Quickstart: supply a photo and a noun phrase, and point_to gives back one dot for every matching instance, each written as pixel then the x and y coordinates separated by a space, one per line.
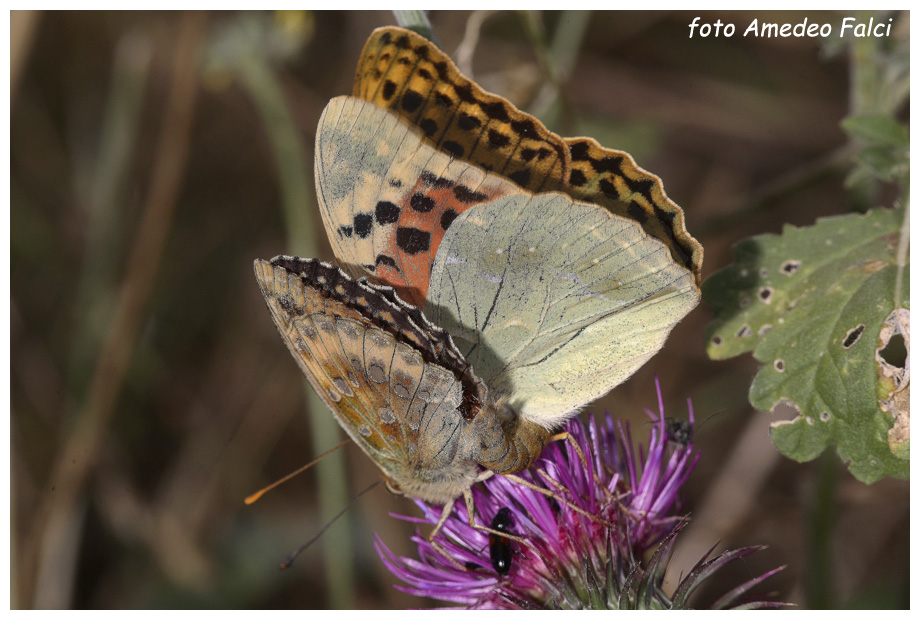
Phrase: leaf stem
pixel 416 21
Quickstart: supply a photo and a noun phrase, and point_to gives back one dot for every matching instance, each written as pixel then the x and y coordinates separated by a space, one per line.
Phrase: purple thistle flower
pixel 570 560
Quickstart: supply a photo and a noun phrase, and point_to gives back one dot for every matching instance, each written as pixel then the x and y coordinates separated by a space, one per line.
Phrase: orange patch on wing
pixel 427 211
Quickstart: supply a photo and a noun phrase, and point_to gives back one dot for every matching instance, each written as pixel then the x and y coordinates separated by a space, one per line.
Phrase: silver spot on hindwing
pixel 376 372
pixel 342 386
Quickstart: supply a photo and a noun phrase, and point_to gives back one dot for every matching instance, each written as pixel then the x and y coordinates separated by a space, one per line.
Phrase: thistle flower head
pixel 570 560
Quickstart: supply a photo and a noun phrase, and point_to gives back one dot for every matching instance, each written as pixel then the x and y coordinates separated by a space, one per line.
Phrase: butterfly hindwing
pixel 403 71
pixel 389 377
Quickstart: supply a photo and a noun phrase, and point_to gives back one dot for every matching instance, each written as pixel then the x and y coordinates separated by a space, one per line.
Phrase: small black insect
pixel 678 431
pixel 500 547
pixel 681 431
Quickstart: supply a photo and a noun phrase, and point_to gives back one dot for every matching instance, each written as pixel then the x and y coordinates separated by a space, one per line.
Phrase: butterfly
pixel 552 301
pixel 490 313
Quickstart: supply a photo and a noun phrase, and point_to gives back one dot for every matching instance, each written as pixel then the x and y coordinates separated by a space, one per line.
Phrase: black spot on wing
pixel 432 180
pixel 577 178
pixel 521 177
pixel 443 100
pixel 498 139
pixel 421 203
pixel 467 122
pixel 429 126
pixel 412 240
pixel 364 223
pixel 386 212
pixel 389 89
pixel 411 101
pixel 383 259
pixel 467 196
pixel 496 110
pixel 447 218
pixel 525 128
pixel 454 149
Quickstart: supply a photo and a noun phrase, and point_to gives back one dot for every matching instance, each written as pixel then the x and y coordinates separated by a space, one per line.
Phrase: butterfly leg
pixel 485 475
pixel 556 496
pixel 581 455
pixel 471 512
pixel 562 437
pixel 445 512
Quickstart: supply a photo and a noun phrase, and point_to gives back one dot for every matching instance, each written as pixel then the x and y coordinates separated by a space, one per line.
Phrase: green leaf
pixel 812 304
pixel 877 130
pixel 885 152
pixel 884 163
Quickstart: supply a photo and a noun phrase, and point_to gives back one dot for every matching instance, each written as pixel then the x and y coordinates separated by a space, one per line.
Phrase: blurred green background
pixel 151 157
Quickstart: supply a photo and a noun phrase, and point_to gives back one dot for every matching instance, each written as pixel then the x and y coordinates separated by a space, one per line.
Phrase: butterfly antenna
pixel 255 496
pixel 290 559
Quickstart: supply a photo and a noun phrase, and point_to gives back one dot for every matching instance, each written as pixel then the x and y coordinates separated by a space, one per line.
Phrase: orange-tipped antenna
pixel 252 498
pixel 290 559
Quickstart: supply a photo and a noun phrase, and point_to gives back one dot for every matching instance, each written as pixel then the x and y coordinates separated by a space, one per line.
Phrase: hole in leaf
pixel 790 267
pixel 825 416
pixel 744 332
pixel 765 294
pixel 853 336
pixel 895 353
pixel 785 411
pixel 764 329
pixel 717 341
pixel 779 366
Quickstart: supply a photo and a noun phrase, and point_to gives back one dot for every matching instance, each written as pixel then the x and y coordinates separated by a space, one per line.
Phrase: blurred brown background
pixel 151 393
